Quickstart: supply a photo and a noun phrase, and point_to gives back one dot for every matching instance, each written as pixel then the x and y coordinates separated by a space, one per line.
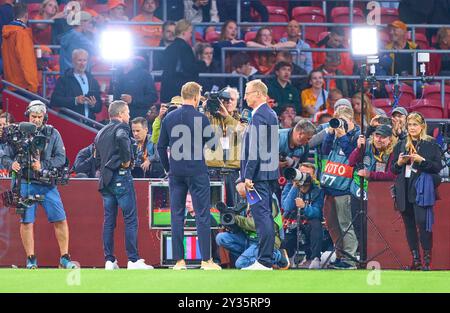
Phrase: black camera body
pixel 213 100
pixel 228 214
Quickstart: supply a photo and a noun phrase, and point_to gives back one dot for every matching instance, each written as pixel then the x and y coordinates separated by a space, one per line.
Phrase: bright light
pixel 364 41
pixel 116 45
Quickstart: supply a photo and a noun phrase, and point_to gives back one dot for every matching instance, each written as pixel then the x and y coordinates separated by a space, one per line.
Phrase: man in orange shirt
pixel 19 60
pixel 148 35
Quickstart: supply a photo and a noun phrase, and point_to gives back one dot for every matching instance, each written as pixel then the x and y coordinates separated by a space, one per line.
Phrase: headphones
pixel 36 103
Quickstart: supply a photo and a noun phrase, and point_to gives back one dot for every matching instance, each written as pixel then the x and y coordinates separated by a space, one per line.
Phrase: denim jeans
pixel 120 193
pixel 243 248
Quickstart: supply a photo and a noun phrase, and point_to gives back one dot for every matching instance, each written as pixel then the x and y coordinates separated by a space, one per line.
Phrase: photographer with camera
pixel 49 154
pixel 164 109
pixel 340 141
pixel 302 201
pixel 223 116
pixel 241 238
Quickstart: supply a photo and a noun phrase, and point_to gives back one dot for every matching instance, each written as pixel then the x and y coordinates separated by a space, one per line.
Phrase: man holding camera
pixel 51 157
pixel 302 201
pixel 113 149
pixel 340 141
pixel 226 122
pixel 242 240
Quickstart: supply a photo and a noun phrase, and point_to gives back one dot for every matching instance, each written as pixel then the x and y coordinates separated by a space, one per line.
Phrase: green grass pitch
pixel 234 281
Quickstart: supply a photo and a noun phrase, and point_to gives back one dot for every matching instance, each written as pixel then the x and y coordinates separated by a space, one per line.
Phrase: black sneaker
pixel 342 265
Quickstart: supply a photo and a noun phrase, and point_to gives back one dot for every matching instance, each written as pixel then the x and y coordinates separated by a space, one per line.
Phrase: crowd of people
pixel 383 146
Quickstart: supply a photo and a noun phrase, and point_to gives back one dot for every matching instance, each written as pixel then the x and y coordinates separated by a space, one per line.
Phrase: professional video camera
pixel 213 100
pixel 294 174
pixel 339 123
pixel 228 214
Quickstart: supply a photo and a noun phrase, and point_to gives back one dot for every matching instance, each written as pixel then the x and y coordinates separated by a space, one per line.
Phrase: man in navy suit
pixel 259 168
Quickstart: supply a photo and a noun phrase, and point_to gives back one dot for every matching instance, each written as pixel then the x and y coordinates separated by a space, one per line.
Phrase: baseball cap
pixel 384 130
pixel 399 24
pixel 342 102
pixel 115 3
pixel 400 110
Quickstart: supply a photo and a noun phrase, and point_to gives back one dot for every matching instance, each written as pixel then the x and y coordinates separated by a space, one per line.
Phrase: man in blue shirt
pixel 186 131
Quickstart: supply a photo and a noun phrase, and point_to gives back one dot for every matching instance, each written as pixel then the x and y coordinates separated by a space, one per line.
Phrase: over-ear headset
pixel 35 103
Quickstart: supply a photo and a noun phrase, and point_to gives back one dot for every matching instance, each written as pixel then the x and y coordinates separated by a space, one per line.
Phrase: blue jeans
pixel 243 248
pixel 120 193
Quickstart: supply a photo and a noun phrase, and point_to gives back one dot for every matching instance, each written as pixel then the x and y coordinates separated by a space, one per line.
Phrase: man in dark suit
pixel 259 168
pixel 186 131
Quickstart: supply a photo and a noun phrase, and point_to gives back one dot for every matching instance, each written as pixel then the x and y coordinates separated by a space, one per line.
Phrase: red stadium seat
pixel 276 3
pixel 249 36
pixel 199 37
pixel 433 92
pixel 406 94
pixel 310 15
pixel 388 15
pixel 421 40
pixel 384 104
pixel 341 15
pixel 212 36
pixel 278 14
pixel 33 9
pixel 429 108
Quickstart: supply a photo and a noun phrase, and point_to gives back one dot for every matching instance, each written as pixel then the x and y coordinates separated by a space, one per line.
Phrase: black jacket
pixel 113 147
pixel 179 67
pixel 139 84
pixel 227 10
pixel 175 10
pixel 85 162
pixel 405 188
pixel 208 82
pixel 67 89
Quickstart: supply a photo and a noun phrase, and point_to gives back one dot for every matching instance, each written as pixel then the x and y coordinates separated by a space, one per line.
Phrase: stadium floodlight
pixel 116 45
pixel 364 41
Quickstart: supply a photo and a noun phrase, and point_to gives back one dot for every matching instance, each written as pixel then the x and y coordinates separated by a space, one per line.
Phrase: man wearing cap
pixel 398 63
pixel 53 156
pixel 136 87
pixel 375 157
pixel 76 38
pixel 164 109
pixel 399 115
pixel 116 11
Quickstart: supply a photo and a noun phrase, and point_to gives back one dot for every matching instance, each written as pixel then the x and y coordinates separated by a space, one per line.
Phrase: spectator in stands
pixel 42 33
pixel 147 164
pixel 440 62
pixel 335 39
pixel 168 37
pixel 179 63
pixel 304 59
pixel 240 63
pixel 399 115
pixel 175 10
pixel 85 165
pixel 314 99
pixel 227 10
pixel 287 116
pixel 265 61
pixel 369 110
pixel 201 11
pixel 84 7
pixel 398 63
pixel 324 118
pixel 19 60
pixel 281 90
pixel 76 38
pixel 204 53
pixel 417 163
pixel 299 83
pixel 116 11
pixel 338 145
pixel 227 39
pixel 149 35
pixel 331 68
pixel 333 96
pixel 77 89
pixel 306 200
pixel 136 87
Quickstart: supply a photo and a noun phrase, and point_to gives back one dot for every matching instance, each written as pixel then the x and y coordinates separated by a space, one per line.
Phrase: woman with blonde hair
pixel 42 32
pixel 369 110
pixel 418 161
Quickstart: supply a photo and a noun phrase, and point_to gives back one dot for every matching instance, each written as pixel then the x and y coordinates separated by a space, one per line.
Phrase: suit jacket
pixel 260 152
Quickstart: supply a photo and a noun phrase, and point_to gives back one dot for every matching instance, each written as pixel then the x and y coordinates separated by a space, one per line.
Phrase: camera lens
pixel 335 123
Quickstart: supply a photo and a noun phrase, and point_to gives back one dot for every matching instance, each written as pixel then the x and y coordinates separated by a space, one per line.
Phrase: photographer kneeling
pixel 241 239
pixel 38 178
pixel 224 118
pixel 302 200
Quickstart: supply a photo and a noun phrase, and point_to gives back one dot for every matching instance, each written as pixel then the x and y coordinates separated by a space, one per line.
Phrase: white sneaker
pixel 111 265
pixel 180 265
pixel 256 267
pixel 315 264
pixel 139 265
